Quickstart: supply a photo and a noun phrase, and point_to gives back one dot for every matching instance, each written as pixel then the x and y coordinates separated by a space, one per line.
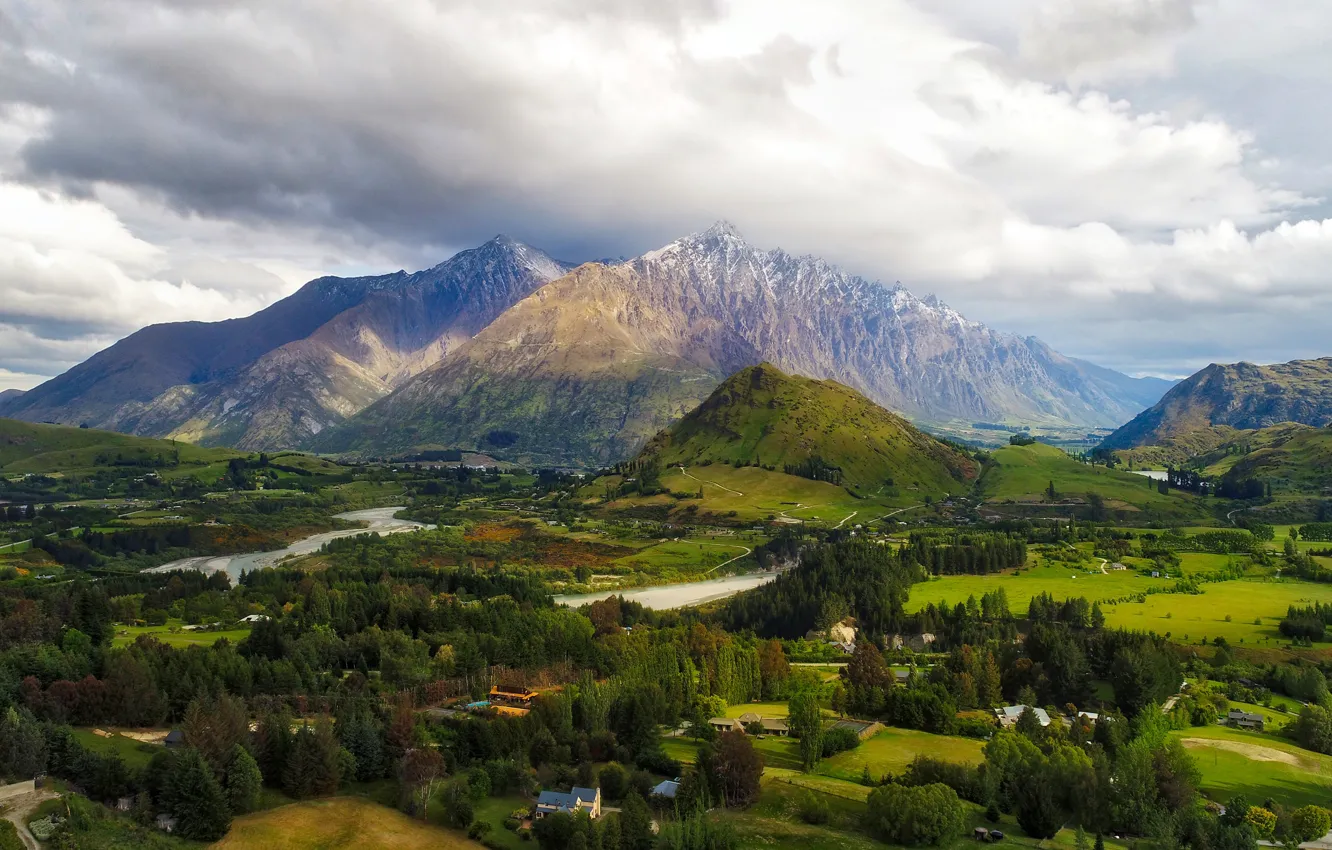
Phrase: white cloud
pixel 1051 167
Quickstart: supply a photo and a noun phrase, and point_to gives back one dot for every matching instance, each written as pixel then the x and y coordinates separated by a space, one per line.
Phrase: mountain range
pixel 506 349
pixel 1205 410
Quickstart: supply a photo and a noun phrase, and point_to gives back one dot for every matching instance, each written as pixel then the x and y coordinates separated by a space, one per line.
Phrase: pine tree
pixel 312 768
pixel 243 781
pixel 196 799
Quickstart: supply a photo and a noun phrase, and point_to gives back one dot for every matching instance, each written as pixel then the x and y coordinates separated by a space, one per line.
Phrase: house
pixel 750 717
pixel 578 800
pixel 775 726
pixel 901 677
pixel 174 738
pixel 166 823
pixel 666 788
pixel 726 724
pixel 1244 720
pixel 512 695
pixel 1118 566
pixel 255 618
pixel 1009 714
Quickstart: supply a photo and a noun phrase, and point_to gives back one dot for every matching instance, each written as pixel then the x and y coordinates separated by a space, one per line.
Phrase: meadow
pixel 171 635
pixel 760 495
pixel 135 754
pixel 1258 766
pixel 1254 609
pixel 348 823
pixel 1062 582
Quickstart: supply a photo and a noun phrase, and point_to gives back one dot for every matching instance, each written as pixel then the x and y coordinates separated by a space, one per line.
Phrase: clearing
pixel 348 823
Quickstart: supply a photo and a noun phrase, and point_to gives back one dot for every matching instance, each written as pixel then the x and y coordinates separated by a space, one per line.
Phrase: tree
pixel 738 768
pixel 1038 814
pixel 806 721
pixel 215 726
pixel 613 781
pixel 242 781
pixel 1309 823
pixel 635 824
pixel 196 799
pixel 418 772
pixel 1262 821
pixel 273 743
pixel 457 800
pixel 773 668
pixel 927 814
pixel 359 733
pixel 312 768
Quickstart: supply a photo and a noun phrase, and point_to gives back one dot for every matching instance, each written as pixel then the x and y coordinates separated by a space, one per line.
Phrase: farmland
pixel 348 823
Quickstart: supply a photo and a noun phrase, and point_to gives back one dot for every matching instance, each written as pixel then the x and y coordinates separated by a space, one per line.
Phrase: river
pixel 667 596
pixel 377 520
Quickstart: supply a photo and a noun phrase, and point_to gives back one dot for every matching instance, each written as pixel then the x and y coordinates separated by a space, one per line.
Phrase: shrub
pixel 839 740
pixel 813 809
pixel 477 830
pixel 930 814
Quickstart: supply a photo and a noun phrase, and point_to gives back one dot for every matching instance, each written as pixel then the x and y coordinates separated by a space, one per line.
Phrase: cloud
pixel 1055 168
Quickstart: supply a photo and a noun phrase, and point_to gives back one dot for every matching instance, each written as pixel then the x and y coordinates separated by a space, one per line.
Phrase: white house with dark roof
pixel 1009 714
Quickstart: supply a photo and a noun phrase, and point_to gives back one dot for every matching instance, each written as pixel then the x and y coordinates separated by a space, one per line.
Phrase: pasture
pixel 1060 581
pixel 172 635
pixel 1188 618
pixel 757 494
pixel 348 823
pixel 893 749
pixel 135 754
pixel 1258 766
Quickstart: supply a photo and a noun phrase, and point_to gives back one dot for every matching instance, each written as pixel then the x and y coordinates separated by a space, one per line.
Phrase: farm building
pixel 1009 714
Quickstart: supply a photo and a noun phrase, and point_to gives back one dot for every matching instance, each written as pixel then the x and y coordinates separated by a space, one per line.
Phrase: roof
pixel 775 723
pixel 1236 714
pixel 175 736
pixel 750 717
pixel 667 788
pixel 1013 712
pixel 572 800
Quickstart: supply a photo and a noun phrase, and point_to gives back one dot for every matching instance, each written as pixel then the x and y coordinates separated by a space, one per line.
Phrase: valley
pixel 786 562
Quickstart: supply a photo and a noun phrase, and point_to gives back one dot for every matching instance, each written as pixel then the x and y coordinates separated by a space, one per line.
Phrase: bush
pixel 478 830
pixel 930 814
pixel 962 778
pixel 839 740
pixel 972 727
pixel 813 809
pixel 512 824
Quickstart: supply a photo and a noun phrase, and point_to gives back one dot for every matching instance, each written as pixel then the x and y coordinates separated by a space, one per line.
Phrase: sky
pixel 1141 183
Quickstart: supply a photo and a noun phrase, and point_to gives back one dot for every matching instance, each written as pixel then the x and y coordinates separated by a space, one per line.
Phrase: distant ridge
pixel 1201 412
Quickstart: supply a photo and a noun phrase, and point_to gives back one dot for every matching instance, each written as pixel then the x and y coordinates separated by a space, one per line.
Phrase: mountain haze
pixel 309 361
pixel 589 367
pixel 1202 411
pixel 762 416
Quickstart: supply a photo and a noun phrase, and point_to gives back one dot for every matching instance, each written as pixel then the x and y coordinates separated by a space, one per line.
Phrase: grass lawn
pixel 347 823
pixel 777 752
pixel 135 754
pixel 762 709
pixel 1060 581
pixel 493 810
pixel 892 750
pixel 687 557
pixel 1258 766
pixel 126 635
pixel 1189 618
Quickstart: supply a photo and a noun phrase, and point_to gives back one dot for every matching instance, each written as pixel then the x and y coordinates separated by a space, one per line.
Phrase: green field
pixel 892 750
pixel 756 494
pixel 1188 618
pixel 1060 581
pixel 1258 766
pixel 1021 474
pixel 135 754
pixel 126 635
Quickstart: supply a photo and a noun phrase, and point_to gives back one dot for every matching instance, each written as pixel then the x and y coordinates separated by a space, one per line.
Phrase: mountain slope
pixel 275 378
pixel 1201 410
pixel 588 368
pixel 762 416
pixel 32 447
pixel 9 396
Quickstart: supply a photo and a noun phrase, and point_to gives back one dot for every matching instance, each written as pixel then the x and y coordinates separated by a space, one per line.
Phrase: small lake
pixel 377 520
pixel 667 596
pixel 1154 474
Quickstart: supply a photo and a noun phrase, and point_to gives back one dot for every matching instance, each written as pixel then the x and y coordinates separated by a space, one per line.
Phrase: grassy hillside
pixel 28 447
pixel 1023 474
pixel 345 822
pixel 761 416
